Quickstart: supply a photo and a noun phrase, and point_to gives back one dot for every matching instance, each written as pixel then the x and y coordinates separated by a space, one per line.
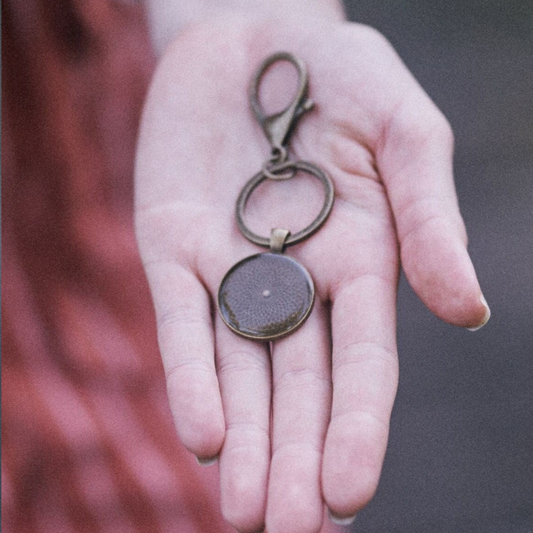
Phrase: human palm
pixel 305 420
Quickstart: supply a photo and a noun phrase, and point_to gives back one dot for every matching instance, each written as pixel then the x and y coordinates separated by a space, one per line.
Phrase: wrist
pixel 166 19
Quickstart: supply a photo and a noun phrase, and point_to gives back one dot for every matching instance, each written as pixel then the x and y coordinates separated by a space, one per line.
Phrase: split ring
pixel 294 238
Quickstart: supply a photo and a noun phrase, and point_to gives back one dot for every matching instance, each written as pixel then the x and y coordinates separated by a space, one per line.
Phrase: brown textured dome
pixel 266 296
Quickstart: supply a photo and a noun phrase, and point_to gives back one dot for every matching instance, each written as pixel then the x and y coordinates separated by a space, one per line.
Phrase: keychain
pixel 269 295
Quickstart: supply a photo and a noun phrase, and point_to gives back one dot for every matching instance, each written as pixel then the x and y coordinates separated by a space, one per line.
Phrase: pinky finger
pixel 186 342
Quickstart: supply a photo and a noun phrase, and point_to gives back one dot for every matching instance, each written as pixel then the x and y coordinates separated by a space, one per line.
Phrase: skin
pixel 306 425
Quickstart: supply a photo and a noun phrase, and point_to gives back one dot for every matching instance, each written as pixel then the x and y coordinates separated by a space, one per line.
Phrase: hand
pixel 330 386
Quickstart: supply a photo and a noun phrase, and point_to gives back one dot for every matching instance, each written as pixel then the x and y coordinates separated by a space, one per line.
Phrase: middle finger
pixel 301 410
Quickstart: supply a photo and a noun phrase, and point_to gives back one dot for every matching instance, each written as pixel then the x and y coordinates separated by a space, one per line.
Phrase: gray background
pixel 460 458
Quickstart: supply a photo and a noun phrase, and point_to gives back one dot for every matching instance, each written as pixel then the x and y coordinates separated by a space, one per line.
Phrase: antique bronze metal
pixel 267 296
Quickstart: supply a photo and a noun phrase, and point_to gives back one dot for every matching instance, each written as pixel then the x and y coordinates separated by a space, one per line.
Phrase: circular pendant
pixel 266 296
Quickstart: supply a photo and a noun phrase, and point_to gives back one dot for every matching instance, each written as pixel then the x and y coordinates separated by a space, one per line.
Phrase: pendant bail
pixel 277 240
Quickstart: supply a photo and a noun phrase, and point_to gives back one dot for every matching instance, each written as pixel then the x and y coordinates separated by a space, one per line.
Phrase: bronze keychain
pixel 269 295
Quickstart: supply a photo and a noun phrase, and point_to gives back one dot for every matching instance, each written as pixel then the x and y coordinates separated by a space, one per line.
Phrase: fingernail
pixel 485 318
pixel 341 520
pixel 207 461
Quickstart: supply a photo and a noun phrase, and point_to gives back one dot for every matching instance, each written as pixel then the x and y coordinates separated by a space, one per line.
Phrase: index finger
pixel 365 377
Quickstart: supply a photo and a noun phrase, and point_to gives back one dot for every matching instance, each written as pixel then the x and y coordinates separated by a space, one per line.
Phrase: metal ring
pixel 294 238
pixel 275 171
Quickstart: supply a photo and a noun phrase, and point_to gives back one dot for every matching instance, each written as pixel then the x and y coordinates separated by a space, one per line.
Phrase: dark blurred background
pixel 460 458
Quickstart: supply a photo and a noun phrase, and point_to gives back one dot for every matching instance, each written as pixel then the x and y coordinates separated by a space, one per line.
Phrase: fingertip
pixel 486 315
pixel 244 524
pixel 203 440
pixel 207 461
pixel 346 495
pixel 298 516
pixel 244 479
pixel 294 498
pixel 352 463
pixel 465 309
pixel 461 307
pixel 209 437
pixel 339 520
pixel 200 424
pixel 438 267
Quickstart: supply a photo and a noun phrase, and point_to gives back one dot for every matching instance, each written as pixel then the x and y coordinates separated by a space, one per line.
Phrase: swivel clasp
pixel 278 126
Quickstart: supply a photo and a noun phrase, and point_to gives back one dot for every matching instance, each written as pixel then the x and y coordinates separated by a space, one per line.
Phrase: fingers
pixel 186 342
pixel 301 407
pixel 244 374
pixel 415 163
pixel 365 375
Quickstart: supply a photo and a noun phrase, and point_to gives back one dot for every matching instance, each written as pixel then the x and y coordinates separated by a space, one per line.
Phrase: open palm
pixel 305 420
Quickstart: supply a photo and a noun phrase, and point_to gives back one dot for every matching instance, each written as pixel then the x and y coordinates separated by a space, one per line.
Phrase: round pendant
pixel 266 296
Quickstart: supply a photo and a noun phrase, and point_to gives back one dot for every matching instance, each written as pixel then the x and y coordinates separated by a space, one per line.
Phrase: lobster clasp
pixel 278 126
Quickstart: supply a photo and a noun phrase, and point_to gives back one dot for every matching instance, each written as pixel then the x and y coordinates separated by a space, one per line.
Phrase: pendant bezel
pixel 279 332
